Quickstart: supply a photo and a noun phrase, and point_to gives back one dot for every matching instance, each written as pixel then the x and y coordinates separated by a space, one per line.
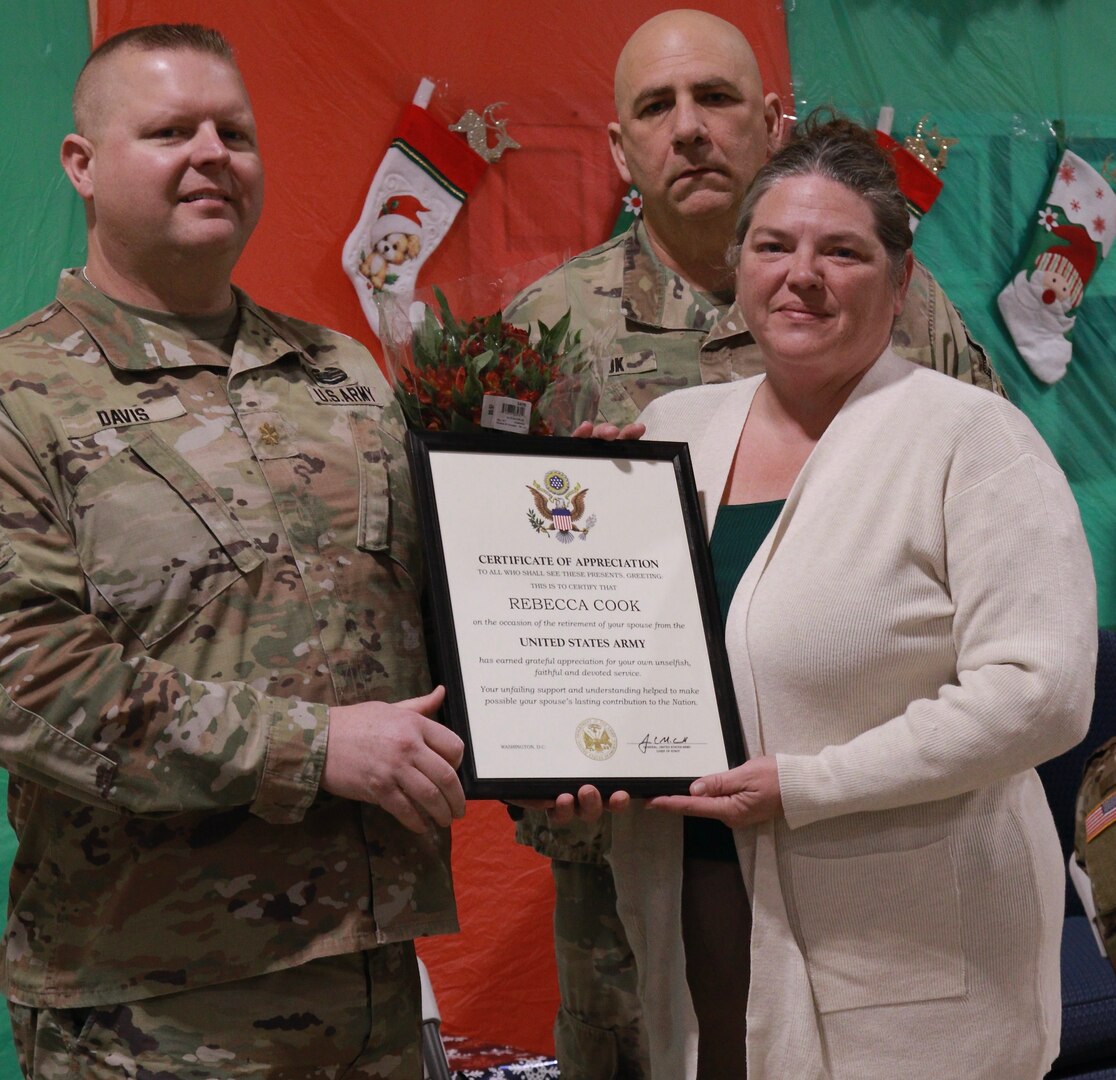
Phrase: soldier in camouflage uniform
pixel 663 333
pixel 693 128
pixel 1095 838
pixel 228 836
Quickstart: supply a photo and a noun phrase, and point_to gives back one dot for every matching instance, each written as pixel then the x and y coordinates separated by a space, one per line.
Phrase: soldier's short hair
pixel 158 36
pixel 828 145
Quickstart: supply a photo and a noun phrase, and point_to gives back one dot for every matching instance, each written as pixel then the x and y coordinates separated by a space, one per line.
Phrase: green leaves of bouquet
pixel 455 363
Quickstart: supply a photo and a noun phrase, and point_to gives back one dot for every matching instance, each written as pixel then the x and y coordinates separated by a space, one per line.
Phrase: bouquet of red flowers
pixel 487 374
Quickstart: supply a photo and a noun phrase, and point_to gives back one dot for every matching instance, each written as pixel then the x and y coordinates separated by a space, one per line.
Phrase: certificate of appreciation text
pixel 578 635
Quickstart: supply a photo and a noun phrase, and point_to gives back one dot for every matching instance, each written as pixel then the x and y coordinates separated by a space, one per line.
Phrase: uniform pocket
pixel 586 1052
pixel 388 522
pixel 375 488
pixel 155 540
pixel 880 929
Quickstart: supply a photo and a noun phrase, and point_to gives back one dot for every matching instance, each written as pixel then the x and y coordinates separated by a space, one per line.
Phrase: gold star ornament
pixel 476 126
pixel 919 144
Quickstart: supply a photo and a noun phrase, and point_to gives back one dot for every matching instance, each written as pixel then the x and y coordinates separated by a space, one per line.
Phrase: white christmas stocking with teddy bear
pixel 415 195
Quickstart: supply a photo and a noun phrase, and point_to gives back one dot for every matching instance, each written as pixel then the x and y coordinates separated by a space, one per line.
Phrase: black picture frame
pixel 441 514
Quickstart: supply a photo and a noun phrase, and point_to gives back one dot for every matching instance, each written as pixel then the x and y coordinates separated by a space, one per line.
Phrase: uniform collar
pixel 131 343
pixel 657 297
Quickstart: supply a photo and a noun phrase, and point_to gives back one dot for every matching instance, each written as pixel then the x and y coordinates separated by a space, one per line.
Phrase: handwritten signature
pixel 657 742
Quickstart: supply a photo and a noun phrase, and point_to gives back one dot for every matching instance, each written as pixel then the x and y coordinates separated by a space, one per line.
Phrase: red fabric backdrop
pixel 328 81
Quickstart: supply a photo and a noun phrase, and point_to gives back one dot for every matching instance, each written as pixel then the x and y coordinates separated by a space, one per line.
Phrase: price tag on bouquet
pixel 474 373
pixel 505 414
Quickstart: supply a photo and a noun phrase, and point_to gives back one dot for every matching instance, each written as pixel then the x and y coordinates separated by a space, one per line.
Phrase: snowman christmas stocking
pixel 1076 223
pixel 415 195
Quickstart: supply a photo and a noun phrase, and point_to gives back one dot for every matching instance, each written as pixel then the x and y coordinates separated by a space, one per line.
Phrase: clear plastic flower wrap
pixel 467 372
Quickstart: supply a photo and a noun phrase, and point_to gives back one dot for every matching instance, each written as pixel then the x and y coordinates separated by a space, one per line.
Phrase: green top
pixel 738 532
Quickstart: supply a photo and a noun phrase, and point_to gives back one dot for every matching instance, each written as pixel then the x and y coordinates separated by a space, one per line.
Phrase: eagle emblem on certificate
pixel 596 739
pixel 559 508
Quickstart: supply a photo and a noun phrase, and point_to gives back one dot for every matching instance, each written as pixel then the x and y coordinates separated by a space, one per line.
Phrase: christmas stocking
pixel 415 195
pixel 1071 238
pixel 918 160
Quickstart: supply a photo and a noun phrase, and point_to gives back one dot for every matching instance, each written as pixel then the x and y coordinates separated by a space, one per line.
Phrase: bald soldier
pixel 230 796
pixel 693 126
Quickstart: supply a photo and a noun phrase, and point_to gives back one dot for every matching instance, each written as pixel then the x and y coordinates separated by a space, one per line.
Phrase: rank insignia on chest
pixel 1100 817
pixel 269 436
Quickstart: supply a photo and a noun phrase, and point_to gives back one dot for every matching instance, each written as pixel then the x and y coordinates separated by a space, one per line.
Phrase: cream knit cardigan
pixel 916 633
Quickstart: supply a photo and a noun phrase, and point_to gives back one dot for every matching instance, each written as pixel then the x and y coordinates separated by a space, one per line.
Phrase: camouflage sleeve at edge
pixel 930 331
pixel 134 734
pixel 952 335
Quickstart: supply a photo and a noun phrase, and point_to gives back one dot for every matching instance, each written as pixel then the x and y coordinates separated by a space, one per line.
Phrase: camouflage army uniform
pixel 663 334
pixel 198 556
pixel 350 1016
pixel 1095 838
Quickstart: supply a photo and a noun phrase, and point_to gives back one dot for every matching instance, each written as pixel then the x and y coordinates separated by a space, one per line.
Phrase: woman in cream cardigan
pixel 916 631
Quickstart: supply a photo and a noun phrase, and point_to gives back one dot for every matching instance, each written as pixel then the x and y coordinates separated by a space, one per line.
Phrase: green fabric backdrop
pixel 43 44
pixel 995 74
pixel 42 47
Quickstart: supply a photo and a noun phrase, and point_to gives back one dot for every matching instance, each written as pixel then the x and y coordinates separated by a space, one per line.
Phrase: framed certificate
pixel 574 617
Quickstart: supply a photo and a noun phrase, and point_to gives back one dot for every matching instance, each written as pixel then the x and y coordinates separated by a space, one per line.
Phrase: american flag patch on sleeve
pixel 1100 817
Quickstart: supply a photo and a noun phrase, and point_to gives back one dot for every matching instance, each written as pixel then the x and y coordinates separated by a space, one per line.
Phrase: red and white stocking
pixel 1070 239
